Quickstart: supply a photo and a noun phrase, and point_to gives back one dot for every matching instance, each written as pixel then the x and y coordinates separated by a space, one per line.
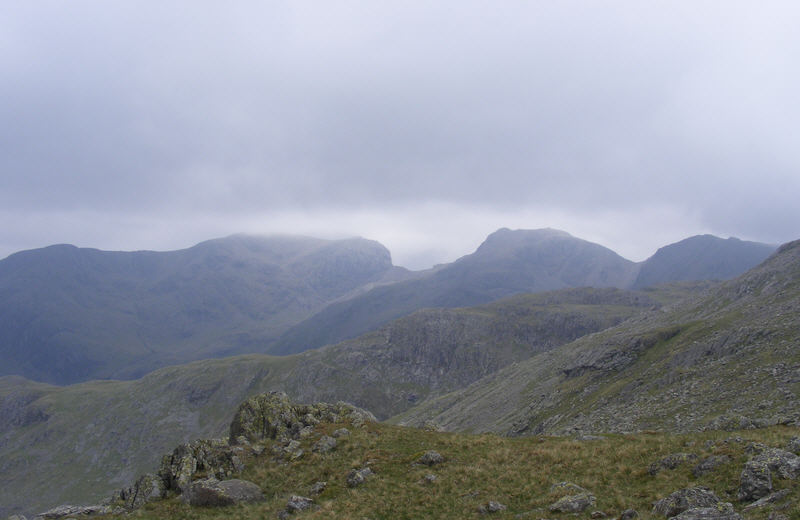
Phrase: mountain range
pixel 69 314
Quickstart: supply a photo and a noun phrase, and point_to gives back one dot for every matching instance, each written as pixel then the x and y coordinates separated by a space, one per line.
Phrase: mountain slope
pixel 70 314
pixel 701 257
pixel 727 358
pixel 75 443
pixel 508 262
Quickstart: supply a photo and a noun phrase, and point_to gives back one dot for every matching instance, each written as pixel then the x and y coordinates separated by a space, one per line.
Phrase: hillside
pixel 701 257
pixel 728 358
pixel 70 314
pixel 508 262
pixel 73 444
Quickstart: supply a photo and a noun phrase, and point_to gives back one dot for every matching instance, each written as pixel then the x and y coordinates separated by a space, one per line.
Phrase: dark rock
pixel 318 488
pixel 671 461
pixel 755 481
pixel 769 499
pixel 298 503
pixel 216 493
pixel 492 507
pixel 629 514
pixel 324 444
pixel 720 511
pixel 597 515
pixel 685 499
pixel 573 503
pixel 709 464
pixel 430 458
pixel 358 477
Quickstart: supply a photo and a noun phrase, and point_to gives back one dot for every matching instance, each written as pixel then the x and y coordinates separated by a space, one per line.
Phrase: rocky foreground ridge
pixel 270 431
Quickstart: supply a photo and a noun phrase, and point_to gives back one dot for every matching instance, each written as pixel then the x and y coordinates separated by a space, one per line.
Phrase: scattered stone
pixel 358 477
pixel 671 461
pixel 318 488
pixel 629 514
pixel 794 445
pixel 709 464
pixel 324 444
pixel 430 478
pixel 67 511
pixel 769 499
pixel 306 431
pixel 430 458
pixel 755 481
pixel 341 432
pixel 492 507
pixel 597 514
pixel 218 493
pixel 720 511
pixel 298 503
pixel 685 499
pixel 567 488
pixel 573 503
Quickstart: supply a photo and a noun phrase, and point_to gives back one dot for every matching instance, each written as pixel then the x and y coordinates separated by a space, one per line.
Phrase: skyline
pixel 424 127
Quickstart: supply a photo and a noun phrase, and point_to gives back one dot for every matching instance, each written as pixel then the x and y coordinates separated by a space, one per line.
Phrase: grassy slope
pixel 99 435
pixel 732 352
pixel 517 472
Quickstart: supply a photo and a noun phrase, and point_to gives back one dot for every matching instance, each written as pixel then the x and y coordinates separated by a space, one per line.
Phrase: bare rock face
pixel 147 488
pixel 273 416
pixel 684 500
pixel 212 457
pixel 215 493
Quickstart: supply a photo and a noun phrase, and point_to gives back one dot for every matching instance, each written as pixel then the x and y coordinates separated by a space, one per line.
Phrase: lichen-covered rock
pixel 341 432
pixel 318 488
pixel 784 463
pixel 212 458
pixel 755 481
pixel 671 461
pixel 709 464
pixel 70 511
pixel 324 444
pixel 769 499
pixel 357 477
pixel 147 488
pixel 274 416
pixel 219 493
pixel 430 458
pixel 629 514
pixel 685 499
pixel 720 511
pixel 573 503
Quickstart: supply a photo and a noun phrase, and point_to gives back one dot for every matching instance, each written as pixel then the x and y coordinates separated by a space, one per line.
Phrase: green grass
pixel 517 472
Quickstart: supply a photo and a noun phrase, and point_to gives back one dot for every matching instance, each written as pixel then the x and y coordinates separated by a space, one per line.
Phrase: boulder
pixel 324 444
pixel 430 458
pixel 794 445
pixel 147 488
pixel 357 477
pixel 720 511
pixel 685 499
pixel 214 458
pixel 217 493
pixel 671 461
pixel 573 503
pixel 318 488
pixel 629 514
pixel 784 463
pixel 755 481
pixel 273 416
pixel 769 499
pixel 297 503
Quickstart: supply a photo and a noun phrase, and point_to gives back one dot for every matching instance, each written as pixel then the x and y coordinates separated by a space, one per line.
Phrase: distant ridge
pixel 701 257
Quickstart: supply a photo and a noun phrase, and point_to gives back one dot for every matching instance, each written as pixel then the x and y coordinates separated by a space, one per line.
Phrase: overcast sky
pixel 424 125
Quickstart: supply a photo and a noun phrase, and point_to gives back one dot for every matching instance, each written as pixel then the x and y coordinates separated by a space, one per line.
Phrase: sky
pixel 424 125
